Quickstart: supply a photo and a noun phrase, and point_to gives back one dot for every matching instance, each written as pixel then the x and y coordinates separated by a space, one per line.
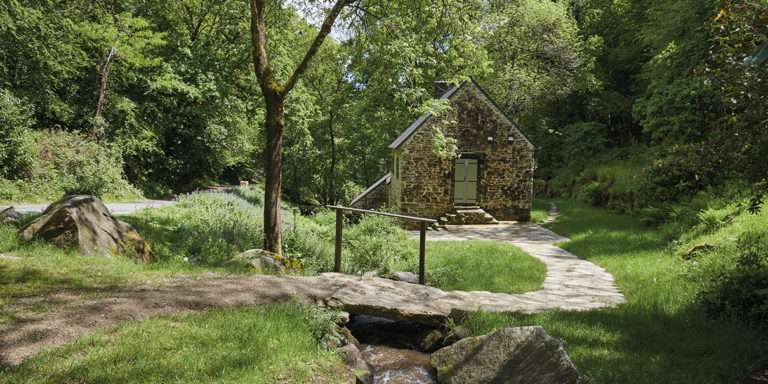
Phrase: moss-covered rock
pixel 84 222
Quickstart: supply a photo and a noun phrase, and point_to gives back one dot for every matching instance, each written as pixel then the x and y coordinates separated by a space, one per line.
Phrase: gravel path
pixel 570 284
pixel 115 208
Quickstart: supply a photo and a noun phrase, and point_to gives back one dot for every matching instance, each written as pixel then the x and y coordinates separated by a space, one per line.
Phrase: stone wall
pixel 505 178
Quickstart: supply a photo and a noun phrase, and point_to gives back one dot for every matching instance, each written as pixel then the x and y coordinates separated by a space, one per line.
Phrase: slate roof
pixel 447 95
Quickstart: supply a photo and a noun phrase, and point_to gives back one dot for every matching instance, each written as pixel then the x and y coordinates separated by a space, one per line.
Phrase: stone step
pixel 468 215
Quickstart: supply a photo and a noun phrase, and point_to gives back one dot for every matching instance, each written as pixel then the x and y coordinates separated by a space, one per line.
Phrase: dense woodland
pixel 656 110
pixel 629 102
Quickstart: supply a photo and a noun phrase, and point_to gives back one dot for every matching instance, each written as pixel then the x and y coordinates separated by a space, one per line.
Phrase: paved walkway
pixel 571 284
pixel 115 208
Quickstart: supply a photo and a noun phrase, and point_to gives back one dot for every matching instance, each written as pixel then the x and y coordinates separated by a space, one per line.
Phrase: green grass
pixel 540 211
pixel 267 344
pixel 660 335
pixel 482 266
pixel 37 268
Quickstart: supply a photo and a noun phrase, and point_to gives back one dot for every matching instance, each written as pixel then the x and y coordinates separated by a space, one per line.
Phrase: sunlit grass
pixel 483 266
pixel 660 335
pixel 267 344
pixel 36 268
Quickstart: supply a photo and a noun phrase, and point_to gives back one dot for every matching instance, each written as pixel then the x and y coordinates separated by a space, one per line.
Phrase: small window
pixel 397 167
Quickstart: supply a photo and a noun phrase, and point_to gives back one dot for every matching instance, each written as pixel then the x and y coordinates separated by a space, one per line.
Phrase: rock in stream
pixel 392 350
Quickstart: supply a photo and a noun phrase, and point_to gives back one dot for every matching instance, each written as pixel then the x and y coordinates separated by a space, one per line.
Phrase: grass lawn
pixel 482 266
pixel 266 344
pixel 540 210
pixel 37 268
pixel 660 335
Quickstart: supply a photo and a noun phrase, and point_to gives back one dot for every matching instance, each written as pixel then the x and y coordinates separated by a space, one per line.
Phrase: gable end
pixel 425 117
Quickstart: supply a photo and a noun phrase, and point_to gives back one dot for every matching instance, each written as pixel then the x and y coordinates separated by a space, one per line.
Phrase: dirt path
pixel 571 284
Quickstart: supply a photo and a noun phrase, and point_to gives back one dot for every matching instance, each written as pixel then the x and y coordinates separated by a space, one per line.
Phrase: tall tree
pixel 274 93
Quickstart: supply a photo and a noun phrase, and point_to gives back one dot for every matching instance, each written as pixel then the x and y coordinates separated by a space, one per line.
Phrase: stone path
pixel 115 208
pixel 571 284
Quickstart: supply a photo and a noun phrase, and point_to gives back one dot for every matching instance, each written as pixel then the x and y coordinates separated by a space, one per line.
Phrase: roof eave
pixel 421 120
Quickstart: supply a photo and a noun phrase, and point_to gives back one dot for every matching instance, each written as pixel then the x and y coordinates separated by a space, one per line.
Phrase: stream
pixel 393 350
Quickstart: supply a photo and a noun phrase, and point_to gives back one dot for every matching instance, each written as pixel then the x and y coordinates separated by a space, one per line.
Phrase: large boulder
pixel 10 216
pixel 84 222
pixel 522 355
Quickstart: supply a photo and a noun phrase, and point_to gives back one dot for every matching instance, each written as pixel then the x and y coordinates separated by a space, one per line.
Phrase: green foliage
pixel 731 271
pixel 376 243
pixel 310 240
pixel 262 345
pixel 323 327
pixel 615 179
pixel 202 228
pixel 68 163
pixel 15 139
pixel 740 291
pixel 661 334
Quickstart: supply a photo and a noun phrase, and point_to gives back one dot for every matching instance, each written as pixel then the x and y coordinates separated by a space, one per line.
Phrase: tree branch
pixel 325 29
pixel 259 39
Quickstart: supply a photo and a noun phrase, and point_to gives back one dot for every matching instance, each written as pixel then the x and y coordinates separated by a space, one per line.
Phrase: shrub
pixel 712 219
pixel 740 291
pixel 68 163
pixel 251 194
pixel 322 323
pixel 211 227
pixel 310 240
pixel 592 193
pixel 376 243
pixel 206 228
pixel 16 144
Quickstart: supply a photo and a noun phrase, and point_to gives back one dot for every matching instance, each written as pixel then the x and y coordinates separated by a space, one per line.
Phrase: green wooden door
pixel 465 181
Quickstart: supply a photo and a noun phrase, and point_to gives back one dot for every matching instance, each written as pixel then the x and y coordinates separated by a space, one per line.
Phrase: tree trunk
pixel 104 75
pixel 273 165
pixel 332 194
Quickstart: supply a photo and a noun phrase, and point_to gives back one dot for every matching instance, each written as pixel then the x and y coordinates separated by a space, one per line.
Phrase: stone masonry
pixel 422 183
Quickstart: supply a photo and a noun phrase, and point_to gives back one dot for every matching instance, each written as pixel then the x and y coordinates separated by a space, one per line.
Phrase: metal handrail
pixel 412 218
pixel 422 234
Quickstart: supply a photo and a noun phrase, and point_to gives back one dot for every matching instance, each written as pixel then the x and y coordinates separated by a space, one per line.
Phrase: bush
pixel 212 227
pixel 613 180
pixel 740 291
pixel 310 240
pixel 68 163
pixel 205 228
pixel 376 243
pixel 16 144
pixel 251 194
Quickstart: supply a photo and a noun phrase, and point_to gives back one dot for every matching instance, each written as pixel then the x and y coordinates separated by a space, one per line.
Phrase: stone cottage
pixel 469 165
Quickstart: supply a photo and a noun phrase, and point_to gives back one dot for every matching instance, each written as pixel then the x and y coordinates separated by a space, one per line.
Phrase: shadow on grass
pixel 41 281
pixel 661 335
pixel 265 344
pixel 637 344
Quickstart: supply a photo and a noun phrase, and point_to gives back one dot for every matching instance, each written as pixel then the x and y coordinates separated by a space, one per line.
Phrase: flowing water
pixel 392 350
